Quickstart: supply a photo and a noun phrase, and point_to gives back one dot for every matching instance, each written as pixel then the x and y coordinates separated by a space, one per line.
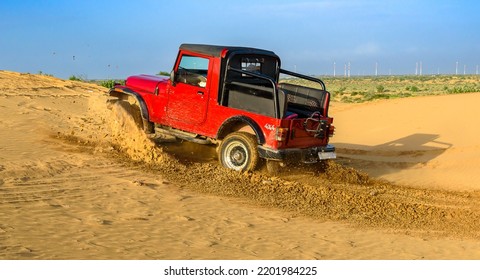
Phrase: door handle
pixel 200 93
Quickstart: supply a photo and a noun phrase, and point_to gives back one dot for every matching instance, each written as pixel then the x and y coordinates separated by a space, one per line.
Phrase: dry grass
pixel 368 88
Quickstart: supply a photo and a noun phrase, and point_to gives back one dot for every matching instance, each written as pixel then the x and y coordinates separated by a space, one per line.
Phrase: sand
pixel 425 141
pixel 79 181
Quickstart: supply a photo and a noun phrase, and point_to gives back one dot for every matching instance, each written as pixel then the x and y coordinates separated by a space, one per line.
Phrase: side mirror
pixel 172 78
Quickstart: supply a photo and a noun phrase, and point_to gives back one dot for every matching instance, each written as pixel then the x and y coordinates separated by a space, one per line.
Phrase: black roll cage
pixel 264 77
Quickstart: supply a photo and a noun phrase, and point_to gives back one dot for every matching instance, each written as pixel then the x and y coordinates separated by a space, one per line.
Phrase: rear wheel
pixel 238 151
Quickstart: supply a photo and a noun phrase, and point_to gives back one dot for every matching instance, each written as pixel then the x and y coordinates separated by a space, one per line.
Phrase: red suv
pixel 233 97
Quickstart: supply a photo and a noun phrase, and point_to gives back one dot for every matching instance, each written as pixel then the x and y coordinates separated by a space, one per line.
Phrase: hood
pixel 146 83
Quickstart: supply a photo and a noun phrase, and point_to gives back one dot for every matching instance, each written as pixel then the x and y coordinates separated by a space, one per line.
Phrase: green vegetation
pixel 110 83
pixel 76 78
pixel 44 74
pixel 413 88
pixel 105 83
pixel 164 73
pixel 464 89
pixel 380 89
pixel 369 88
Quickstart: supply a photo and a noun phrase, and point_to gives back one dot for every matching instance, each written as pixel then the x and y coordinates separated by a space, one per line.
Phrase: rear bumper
pixel 307 155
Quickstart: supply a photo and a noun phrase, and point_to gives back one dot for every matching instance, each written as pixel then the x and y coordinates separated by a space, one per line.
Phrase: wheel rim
pixel 236 155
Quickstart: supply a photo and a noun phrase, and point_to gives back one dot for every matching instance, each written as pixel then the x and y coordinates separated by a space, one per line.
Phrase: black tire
pixel 238 151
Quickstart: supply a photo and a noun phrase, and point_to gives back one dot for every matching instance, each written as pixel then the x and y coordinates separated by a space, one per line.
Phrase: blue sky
pixel 113 39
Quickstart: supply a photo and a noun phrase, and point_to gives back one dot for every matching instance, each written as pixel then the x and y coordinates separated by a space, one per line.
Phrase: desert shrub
pixel 372 96
pixel 346 99
pixel 464 89
pixel 44 74
pixel 349 99
pixel 75 78
pixel 341 90
pixel 412 88
pixel 108 83
pixel 163 73
pixel 380 89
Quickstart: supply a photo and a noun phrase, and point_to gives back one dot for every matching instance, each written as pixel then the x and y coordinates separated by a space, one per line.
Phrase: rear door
pixel 188 99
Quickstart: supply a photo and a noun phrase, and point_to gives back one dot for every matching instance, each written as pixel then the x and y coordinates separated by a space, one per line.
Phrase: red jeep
pixel 233 97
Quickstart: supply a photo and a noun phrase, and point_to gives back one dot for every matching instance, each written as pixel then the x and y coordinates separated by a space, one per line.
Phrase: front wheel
pixel 238 151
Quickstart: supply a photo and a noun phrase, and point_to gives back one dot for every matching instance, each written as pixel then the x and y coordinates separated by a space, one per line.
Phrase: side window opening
pixel 252 65
pixel 247 92
pixel 193 71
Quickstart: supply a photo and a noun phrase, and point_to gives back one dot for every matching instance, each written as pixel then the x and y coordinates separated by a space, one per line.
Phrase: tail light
pixel 281 134
pixel 331 131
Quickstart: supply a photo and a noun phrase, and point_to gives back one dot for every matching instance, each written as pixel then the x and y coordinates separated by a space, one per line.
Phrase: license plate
pixel 327 155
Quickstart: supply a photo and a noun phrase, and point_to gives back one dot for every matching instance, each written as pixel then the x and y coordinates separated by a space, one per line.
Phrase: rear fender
pixel 239 123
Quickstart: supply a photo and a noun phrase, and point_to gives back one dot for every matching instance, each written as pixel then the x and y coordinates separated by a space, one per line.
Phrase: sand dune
pixel 77 181
pixel 426 141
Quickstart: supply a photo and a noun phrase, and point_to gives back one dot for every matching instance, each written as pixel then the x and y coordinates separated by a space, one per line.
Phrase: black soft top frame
pixel 216 51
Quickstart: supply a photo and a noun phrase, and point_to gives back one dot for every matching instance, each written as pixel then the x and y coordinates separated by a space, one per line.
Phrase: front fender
pixel 122 93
